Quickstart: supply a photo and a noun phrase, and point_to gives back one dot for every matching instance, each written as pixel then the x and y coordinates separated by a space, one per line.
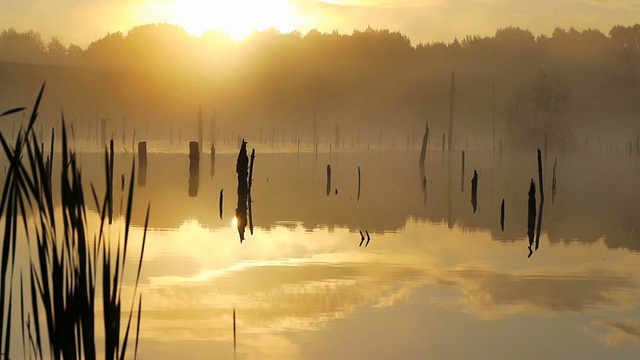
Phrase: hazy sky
pixel 82 21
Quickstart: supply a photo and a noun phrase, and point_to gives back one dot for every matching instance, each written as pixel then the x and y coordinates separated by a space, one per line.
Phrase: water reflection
pixel 291 283
pixel 437 273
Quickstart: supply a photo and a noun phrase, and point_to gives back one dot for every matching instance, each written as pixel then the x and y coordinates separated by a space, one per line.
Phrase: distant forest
pixel 572 84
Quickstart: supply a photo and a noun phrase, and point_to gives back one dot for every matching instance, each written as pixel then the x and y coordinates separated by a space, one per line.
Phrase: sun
pixel 238 18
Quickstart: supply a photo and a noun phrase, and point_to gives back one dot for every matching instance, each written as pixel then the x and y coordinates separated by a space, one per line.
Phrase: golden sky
pixel 83 21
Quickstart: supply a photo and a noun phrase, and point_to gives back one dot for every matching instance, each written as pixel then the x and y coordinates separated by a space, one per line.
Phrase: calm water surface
pixel 436 281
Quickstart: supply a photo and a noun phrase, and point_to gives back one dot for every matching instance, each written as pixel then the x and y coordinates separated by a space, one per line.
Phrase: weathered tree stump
pixel 474 191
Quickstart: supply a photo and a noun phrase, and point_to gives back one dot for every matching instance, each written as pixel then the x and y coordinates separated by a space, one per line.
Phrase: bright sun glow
pixel 238 18
pixel 234 222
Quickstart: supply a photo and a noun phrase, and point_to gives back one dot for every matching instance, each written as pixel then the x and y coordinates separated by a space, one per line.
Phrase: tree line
pixel 368 79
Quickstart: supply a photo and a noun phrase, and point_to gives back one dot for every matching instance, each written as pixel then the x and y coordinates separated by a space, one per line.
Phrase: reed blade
pixel 12 111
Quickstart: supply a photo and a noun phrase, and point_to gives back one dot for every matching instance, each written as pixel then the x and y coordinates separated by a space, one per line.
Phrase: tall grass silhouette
pixel 66 262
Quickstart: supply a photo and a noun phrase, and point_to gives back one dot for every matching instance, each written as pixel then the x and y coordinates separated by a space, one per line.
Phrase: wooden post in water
pixel 212 171
pixel 250 180
pixel 553 182
pixel 212 131
pixel 545 145
pixel 451 100
pixel 142 161
pixel 443 147
pixel 423 148
pixel 539 225
pixel 474 191
pixel 462 179
pixel 358 183
pixel 493 115
pixel 103 132
pixel 315 133
pixel 234 333
pixel 502 215
pixel 142 153
pixel 200 131
pixel 531 215
pixel 194 168
pixel 328 179
pixel 540 183
pixel 220 202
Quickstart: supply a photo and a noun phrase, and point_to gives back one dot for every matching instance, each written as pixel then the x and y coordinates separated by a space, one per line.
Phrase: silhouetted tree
pixel 540 109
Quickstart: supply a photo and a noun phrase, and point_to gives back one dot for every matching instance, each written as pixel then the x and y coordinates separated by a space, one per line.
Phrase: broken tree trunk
pixel 243 190
pixel 474 191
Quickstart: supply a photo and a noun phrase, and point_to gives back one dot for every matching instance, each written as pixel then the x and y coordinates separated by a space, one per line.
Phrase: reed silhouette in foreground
pixel 63 271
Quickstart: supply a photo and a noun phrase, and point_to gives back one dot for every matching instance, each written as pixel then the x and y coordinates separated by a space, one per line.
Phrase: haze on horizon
pixel 421 20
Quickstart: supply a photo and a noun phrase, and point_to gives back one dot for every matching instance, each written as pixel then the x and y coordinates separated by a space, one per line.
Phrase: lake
pixel 432 278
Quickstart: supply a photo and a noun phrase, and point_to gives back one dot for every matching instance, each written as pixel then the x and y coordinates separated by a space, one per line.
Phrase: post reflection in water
pixel 303 286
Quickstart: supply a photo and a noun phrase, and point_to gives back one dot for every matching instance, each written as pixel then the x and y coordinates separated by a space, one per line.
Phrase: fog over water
pixel 511 232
